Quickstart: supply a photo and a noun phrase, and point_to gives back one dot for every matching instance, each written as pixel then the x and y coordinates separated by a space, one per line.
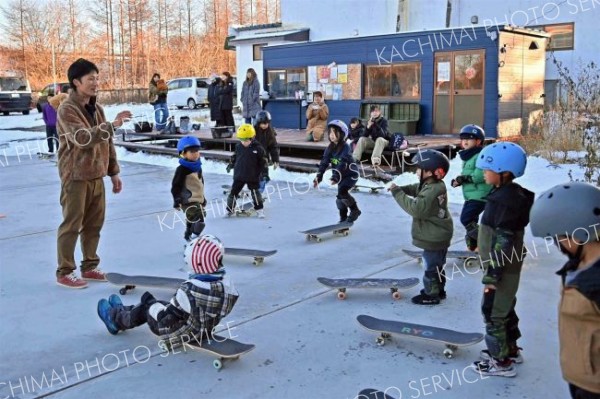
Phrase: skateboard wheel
pixel 318 239
pixel 386 335
pixel 123 291
pixel 341 295
pixel 380 341
pixel 217 364
pixel 471 263
pixel 346 233
pixel 396 295
pixel 449 353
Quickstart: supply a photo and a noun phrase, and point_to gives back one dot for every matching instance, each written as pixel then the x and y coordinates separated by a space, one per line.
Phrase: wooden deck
pixel 295 152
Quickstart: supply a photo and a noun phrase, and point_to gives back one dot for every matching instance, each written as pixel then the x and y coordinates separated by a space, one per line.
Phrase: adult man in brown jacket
pixel 86 154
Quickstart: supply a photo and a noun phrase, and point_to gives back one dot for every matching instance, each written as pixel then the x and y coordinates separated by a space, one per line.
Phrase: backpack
pixel 398 142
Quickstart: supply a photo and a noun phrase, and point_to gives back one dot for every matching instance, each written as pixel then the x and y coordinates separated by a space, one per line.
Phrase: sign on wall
pixel 336 82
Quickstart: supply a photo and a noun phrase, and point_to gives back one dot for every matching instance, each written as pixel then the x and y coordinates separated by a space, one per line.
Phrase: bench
pixel 402 117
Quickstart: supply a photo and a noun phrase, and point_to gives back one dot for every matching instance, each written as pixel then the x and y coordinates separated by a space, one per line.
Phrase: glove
pixel 318 179
pixel 177 205
pixel 460 180
pixel 229 167
pixel 493 274
pixel 275 165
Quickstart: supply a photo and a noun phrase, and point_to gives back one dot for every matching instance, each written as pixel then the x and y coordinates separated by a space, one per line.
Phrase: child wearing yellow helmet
pixel 248 163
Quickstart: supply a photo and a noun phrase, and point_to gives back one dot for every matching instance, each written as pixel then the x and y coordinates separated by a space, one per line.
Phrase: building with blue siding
pixel 492 76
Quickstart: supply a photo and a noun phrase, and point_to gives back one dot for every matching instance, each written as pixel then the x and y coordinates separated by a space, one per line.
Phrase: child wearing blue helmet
pixel 188 186
pixel 345 171
pixel 501 250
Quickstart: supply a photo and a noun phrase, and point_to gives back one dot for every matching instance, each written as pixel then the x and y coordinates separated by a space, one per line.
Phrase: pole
pixel 54 68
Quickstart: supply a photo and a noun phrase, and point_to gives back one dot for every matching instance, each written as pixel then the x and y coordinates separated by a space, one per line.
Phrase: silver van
pixel 188 92
pixel 15 95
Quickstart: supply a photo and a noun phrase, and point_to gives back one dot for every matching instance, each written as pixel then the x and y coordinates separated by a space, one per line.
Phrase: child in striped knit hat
pixel 195 310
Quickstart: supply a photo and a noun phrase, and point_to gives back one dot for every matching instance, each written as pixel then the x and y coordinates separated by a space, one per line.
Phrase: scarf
pixel 193 166
pixel 465 155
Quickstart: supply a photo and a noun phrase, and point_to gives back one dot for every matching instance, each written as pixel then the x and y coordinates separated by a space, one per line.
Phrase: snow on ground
pixel 308 343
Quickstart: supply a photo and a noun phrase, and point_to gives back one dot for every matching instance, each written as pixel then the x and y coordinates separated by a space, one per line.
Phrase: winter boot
pixel 188 232
pixel 343 210
pixel 424 299
pixel 471 236
pixel 115 301
pixel 106 314
pixel 354 211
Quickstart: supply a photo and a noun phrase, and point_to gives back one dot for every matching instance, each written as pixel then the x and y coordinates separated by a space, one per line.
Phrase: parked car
pixel 15 95
pixel 51 90
pixel 188 92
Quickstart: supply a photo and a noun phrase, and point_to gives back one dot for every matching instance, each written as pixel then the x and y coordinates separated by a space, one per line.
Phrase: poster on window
pixel 312 74
pixel 443 72
pixel 325 74
pixel 333 73
pixel 337 92
pixel 328 90
pixel 342 68
pixel 342 78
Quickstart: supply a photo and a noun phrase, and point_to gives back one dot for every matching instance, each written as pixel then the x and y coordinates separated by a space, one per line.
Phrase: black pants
pixel 471 211
pixel 579 393
pixel 134 316
pixel 237 187
pixel 227 117
pixel 52 138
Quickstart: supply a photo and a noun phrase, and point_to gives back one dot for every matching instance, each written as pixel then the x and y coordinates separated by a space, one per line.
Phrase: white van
pixel 188 92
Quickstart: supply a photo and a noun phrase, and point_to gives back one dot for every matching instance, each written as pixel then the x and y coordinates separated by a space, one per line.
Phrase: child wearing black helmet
pixel 569 214
pixel 501 252
pixel 432 228
pixel 267 137
pixel 345 171
pixel 471 180
pixel 188 186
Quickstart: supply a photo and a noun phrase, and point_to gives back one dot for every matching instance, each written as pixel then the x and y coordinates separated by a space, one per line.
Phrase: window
pixel 562 36
pixel 398 81
pixel 257 51
pixel 172 85
pixel 284 83
pixel 201 84
pixel 185 83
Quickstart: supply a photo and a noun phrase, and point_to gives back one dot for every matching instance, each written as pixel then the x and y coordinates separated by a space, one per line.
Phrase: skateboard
pixel 393 284
pixel 470 259
pixel 223 348
pixel 371 393
pixel 258 255
pixel 374 190
pixel 337 229
pixel 227 188
pixel 50 156
pixel 452 339
pixel 128 283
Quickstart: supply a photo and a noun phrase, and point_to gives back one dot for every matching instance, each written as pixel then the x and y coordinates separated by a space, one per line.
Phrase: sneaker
pixel 494 367
pixel 424 299
pixel 515 358
pixel 354 214
pixel 71 281
pixel 376 162
pixel 104 312
pixel 115 301
pixel 94 275
pixel 260 213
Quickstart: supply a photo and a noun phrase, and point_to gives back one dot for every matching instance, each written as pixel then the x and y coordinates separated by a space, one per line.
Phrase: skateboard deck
pixel 257 254
pixel 373 190
pixel 46 155
pixel 393 284
pixel 470 259
pixel 337 229
pixel 128 283
pixel 371 393
pixel 223 348
pixel 452 339
pixel 227 188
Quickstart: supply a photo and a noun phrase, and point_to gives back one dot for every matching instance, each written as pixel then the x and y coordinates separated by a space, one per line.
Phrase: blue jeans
pixel 471 211
pixel 434 278
pixel 161 114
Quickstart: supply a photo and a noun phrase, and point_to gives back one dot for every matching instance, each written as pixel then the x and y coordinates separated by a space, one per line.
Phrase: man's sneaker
pixel 424 299
pixel 494 367
pixel 94 275
pixel 515 358
pixel 115 301
pixel 104 312
pixel 376 161
pixel 354 214
pixel 71 281
pixel 260 213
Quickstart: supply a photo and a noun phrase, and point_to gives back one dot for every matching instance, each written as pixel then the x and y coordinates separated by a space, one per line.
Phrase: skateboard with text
pixel 394 285
pixel 450 338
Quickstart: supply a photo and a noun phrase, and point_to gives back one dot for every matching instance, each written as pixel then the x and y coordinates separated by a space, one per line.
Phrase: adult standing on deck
pixel 86 154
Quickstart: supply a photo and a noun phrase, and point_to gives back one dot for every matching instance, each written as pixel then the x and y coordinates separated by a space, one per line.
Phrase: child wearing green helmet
pixel 187 186
pixel 501 251
pixel 577 233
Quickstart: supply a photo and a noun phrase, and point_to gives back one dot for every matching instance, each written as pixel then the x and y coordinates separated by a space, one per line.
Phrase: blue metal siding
pixel 396 48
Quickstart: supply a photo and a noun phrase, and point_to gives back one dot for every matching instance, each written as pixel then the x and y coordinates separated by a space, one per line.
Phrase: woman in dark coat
pixel 250 96
pixel 225 92
pixel 214 100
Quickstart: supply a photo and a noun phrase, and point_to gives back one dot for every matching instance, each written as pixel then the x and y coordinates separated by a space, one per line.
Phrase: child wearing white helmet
pixel 569 215
pixel 345 171
pixel 193 312
pixel 501 252
pixel 187 187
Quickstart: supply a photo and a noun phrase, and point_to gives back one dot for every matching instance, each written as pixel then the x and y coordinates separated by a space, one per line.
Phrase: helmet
pixel 263 117
pixel 472 132
pixel 503 157
pixel 246 131
pixel 567 209
pixel 433 161
pixel 186 142
pixel 340 125
pixel 203 255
